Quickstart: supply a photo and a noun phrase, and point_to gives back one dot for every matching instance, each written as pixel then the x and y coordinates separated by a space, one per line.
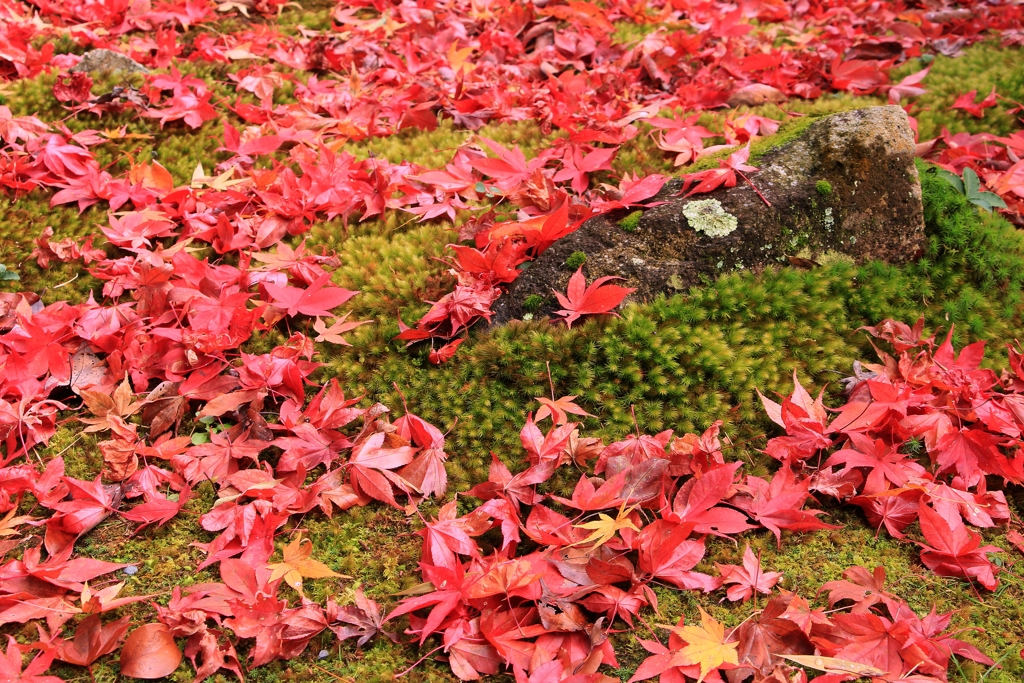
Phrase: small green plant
pixel 533 302
pixel 201 437
pixel 576 259
pixel 970 187
pixel 823 187
pixel 631 222
pixel 7 274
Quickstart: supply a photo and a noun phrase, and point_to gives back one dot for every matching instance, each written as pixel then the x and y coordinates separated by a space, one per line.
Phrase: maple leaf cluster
pixel 162 342
pixel 462 74
pixel 881 638
pixel 919 437
pixel 162 347
pixel 543 605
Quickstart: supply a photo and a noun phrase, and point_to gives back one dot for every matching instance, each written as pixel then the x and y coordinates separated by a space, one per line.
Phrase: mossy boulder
pixel 108 61
pixel 872 211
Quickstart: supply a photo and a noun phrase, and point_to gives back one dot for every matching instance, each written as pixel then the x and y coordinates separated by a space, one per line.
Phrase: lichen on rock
pixel 708 216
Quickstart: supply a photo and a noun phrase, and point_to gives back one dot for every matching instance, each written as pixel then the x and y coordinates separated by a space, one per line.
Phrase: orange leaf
pixel 706 645
pixel 298 565
pixel 150 653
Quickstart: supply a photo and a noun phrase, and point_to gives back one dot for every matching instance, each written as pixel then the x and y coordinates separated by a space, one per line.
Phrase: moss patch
pixel 575 260
pixel 632 221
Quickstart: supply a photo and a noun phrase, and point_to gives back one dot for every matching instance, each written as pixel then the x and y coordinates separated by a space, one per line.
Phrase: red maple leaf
pixel 697 503
pixel 92 640
pixel 315 300
pixel 576 166
pixel 955 550
pixel 805 421
pixel 631 192
pixel 977 109
pixel 73 87
pixel 332 334
pixel 744 581
pixel 497 261
pixel 597 298
pixel 862 587
pixel 777 505
pixel 510 169
pixel 593 493
pixel 557 409
pixel 10 666
pixel 885 462
pixel 909 86
pixel 724 175
pixel 859 76
pixel 446 352
pixel 370 466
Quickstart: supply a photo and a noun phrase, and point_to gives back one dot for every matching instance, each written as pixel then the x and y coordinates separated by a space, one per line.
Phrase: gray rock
pixel 108 61
pixel 847 185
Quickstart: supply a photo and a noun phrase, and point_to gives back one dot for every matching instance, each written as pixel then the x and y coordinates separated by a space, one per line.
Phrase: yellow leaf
pixel 459 59
pixel 706 646
pixel 241 52
pixel 123 134
pixel 298 565
pixel 152 176
pixel 605 527
pixel 220 183
pixel 9 524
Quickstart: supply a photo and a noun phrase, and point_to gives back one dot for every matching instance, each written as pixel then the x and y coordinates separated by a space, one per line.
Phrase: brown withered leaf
pixel 92 640
pixel 769 634
pixel 163 409
pixel 362 620
pixel 255 423
pixel 9 524
pixel 800 262
pixel 119 458
pixel 87 369
pixel 567 617
pixel 583 449
pixel 117 405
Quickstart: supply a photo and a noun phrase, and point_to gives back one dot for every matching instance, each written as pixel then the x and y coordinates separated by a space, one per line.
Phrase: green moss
pixel 532 303
pixel 631 222
pixel 575 260
pixel 823 187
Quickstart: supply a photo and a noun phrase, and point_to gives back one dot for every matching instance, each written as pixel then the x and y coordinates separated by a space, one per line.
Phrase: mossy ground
pixel 679 362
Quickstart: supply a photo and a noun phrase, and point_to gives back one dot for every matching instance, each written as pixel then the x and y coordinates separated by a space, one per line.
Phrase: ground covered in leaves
pixel 377 133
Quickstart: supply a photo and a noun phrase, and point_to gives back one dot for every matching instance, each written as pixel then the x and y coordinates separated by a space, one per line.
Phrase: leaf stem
pixel 754 187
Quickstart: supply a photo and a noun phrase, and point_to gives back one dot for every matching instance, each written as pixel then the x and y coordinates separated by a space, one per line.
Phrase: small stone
pixel 323 654
pixel 131 570
pixel 756 94
pixel 108 61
